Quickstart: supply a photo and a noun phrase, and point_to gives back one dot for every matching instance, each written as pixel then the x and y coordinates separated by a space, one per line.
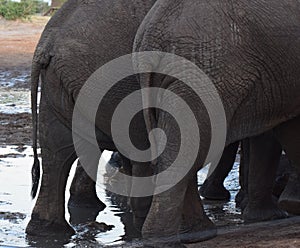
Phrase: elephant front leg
pixel 83 191
pixel 289 137
pixel 265 154
pixel 58 155
pixel 195 225
pixel 213 187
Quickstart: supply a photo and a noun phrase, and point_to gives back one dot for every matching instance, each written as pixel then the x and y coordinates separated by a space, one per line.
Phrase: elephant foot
pixel 93 202
pixel 39 227
pixel 202 231
pixel 213 191
pixel 264 212
pixel 290 198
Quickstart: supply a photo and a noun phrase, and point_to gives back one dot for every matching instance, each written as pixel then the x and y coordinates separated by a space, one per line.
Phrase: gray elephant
pixel 250 52
pixel 81 37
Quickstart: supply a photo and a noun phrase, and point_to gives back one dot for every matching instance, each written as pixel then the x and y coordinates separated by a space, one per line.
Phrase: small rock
pixel 99 226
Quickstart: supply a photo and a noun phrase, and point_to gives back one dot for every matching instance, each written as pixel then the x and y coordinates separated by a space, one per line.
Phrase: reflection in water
pixel 222 212
pixel 16 206
pixel 82 215
pixel 125 215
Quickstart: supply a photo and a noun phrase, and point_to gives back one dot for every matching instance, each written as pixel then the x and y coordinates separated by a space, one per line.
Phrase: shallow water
pixel 14 92
pixel 14 78
pixel 16 205
pixel 15 185
pixel 14 101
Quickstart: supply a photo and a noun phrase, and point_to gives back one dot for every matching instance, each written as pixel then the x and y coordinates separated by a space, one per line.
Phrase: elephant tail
pixel 35 171
pixel 149 114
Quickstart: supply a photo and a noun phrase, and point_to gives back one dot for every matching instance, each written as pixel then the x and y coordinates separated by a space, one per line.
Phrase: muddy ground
pixel 17 42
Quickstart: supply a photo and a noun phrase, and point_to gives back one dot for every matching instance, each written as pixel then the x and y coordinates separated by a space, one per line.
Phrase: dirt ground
pixel 272 234
pixel 17 42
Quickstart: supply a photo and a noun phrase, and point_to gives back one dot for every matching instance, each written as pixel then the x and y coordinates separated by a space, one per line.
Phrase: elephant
pixel 81 37
pixel 250 51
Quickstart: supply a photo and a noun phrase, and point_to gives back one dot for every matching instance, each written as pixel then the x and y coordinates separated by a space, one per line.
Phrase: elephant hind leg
pixel 289 136
pixel 58 155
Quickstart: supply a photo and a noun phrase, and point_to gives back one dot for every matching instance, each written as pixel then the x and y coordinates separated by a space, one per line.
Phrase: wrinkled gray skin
pixel 251 52
pixel 81 37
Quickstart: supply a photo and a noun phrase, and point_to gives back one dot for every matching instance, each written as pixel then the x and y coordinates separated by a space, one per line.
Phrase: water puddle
pixel 15 78
pixel 14 92
pixel 14 101
pixel 224 213
pixel 16 206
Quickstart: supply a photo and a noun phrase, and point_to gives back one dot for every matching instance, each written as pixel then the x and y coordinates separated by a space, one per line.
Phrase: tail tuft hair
pixel 35 173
